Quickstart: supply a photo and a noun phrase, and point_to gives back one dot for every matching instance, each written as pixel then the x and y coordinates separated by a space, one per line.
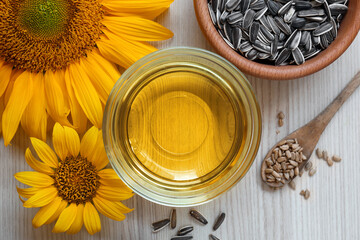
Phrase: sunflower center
pixel 76 180
pixel 42 35
pixel 44 18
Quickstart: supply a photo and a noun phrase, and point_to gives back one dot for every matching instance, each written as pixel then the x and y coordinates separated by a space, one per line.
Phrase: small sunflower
pixel 74 186
pixel 59 58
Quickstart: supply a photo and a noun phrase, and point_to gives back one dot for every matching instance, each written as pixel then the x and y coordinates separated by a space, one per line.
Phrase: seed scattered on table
pixel 329 161
pixel 198 216
pixel 292 185
pixel 212 237
pixel 185 230
pixel 307 194
pixel 159 225
pixel 312 172
pixel 319 153
pixel 182 238
pixel 336 158
pixel 219 221
pixel 173 219
pixel 308 165
pixel 325 154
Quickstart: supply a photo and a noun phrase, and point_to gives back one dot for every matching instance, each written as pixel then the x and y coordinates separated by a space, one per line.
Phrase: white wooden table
pixel 253 212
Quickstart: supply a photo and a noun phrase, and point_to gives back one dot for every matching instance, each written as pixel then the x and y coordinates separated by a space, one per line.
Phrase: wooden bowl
pixel 348 30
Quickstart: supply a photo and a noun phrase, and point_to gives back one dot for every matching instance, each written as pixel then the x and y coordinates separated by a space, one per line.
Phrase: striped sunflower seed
pixel 157 226
pixel 185 230
pixel 219 221
pixel 212 237
pixel 198 216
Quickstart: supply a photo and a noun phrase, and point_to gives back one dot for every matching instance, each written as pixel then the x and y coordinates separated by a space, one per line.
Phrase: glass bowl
pixel 181 126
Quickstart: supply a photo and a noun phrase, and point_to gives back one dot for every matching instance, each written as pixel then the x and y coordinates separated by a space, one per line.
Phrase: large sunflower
pixel 59 58
pixel 70 190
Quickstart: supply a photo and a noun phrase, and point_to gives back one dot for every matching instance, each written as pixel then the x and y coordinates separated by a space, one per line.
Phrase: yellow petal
pixel 42 197
pixel 108 209
pixel 57 104
pixel 34 179
pixel 27 192
pixel 46 212
pixel 116 206
pixel 72 141
pixel 2 107
pixel 58 211
pixel 122 51
pixel 88 142
pixel 5 73
pixel 66 218
pixel 113 193
pixel 98 156
pixel 110 68
pixel 86 94
pixel 59 141
pixel 22 89
pixel 136 28
pixel 102 81
pixel 79 220
pixel 34 118
pixel 108 174
pixel 145 8
pixel 78 116
pixel 91 219
pixel 37 165
pixel 45 153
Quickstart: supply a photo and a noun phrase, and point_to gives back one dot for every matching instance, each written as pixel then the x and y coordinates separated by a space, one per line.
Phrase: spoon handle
pixel 324 118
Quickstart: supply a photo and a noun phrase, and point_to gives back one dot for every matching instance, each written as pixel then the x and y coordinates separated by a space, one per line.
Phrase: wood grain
pixel 349 29
pixel 253 211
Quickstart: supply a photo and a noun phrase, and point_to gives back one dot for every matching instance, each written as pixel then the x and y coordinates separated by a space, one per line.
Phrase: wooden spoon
pixel 308 135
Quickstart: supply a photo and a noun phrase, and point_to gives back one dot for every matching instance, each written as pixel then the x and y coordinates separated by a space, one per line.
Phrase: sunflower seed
pixel 302 5
pixel 231 5
pixel 258 5
pixel 317 19
pixel 283 26
pixel 267 33
pixel 312 172
pixel 236 37
pixel 284 9
pixel 329 161
pixel 315 40
pixel 195 214
pixel 308 166
pixel 307 194
pixel 212 14
pixel 245 47
pixel 212 237
pixel 283 56
pixel 182 238
pixel 274 7
pixel 310 26
pixel 244 5
pixel 252 54
pixel 274 45
pixel 298 22
pixel 254 31
pixel 327 9
pixel 219 221
pixel 173 219
pixel 292 185
pixel 248 18
pixel 157 226
pixel 223 17
pixel 185 230
pixel 298 56
pixel 324 43
pixel 322 29
pixel 311 13
pixel 336 158
pixel 261 47
pixel 294 40
pixel 334 31
pixel 228 31
pixel 218 23
pixel 337 9
pixel 273 25
pixel 289 15
pixel 312 53
pixel 234 17
pixel 260 13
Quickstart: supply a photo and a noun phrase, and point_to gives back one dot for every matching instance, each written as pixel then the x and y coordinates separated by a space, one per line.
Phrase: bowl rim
pixel 161 199
pixel 322 60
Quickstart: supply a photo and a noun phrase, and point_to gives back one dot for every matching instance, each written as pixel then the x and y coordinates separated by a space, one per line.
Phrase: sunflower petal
pixel 22 89
pixel 45 153
pixel 46 212
pixel 88 142
pixel 2 107
pixel 108 209
pixel 57 105
pixel 137 29
pixel 98 156
pixel 145 8
pixel 110 68
pixel 72 141
pixel 66 218
pixel 34 118
pixel 5 73
pixel 59 141
pixel 34 179
pixel 118 206
pixel 122 51
pixel 41 198
pixel 27 192
pixel 86 94
pixel 78 116
pixel 113 193
pixel 79 220
pixel 108 173
pixel 58 211
pixel 37 165
pixel 102 81
pixel 91 219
